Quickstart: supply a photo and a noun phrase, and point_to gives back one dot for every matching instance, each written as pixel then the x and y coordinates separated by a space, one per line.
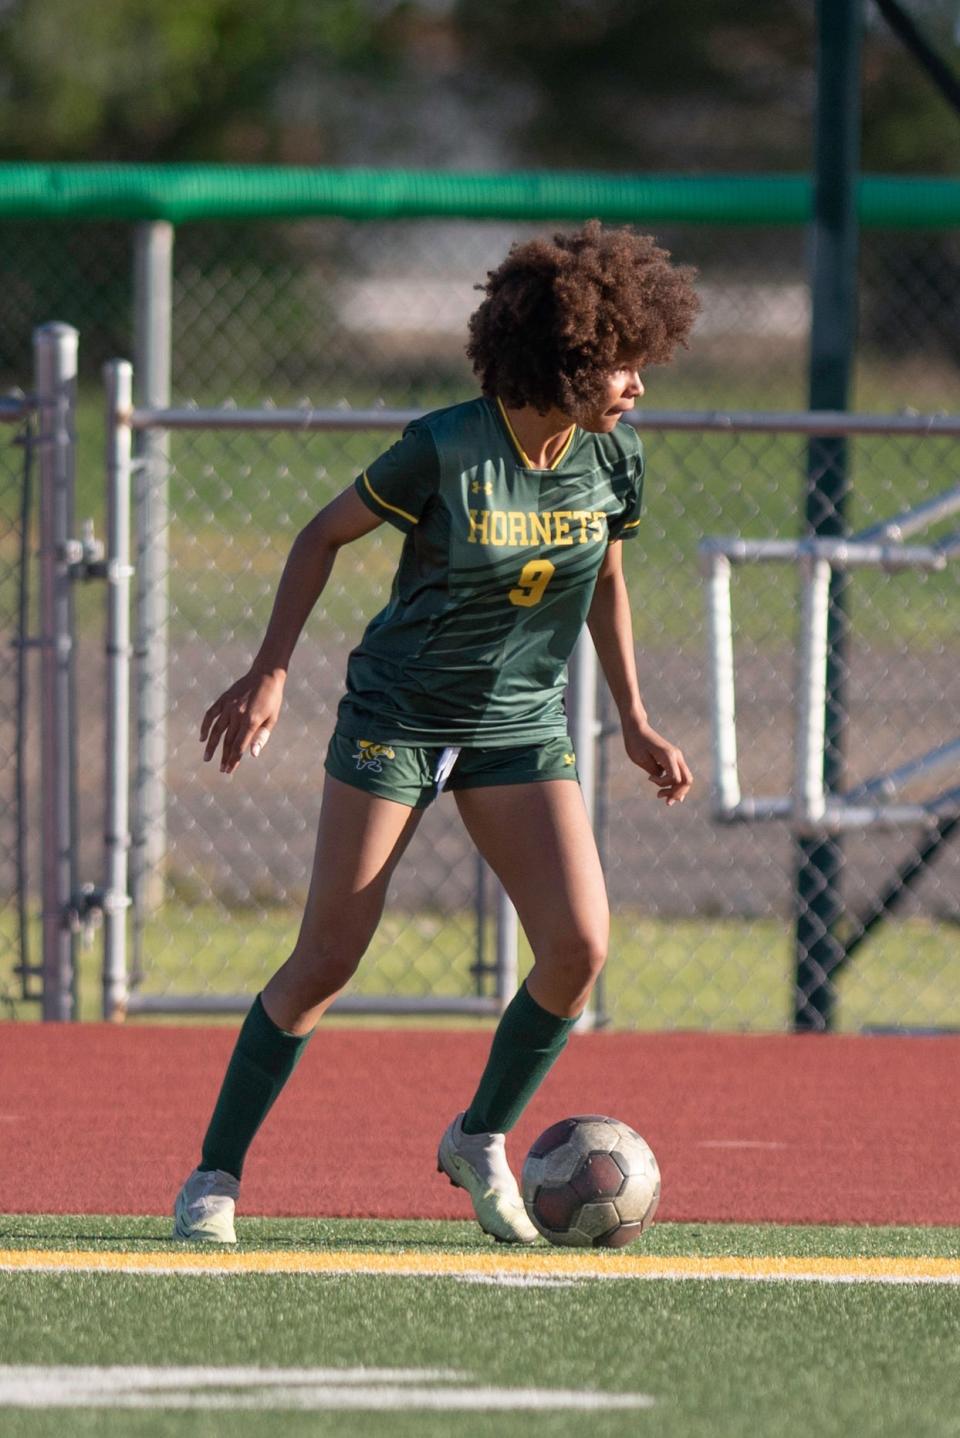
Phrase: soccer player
pixel 514 507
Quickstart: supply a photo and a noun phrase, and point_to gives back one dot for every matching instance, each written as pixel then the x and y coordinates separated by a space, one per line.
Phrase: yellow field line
pixel 493 1265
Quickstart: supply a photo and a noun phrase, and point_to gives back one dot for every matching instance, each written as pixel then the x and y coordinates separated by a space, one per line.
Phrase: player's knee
pixel 318 970
pixel 331 943
pixel 576 961
pixel 326 976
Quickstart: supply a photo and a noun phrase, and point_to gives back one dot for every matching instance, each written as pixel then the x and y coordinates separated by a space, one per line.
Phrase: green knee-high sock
pixel 261 1063
pixel 527 1043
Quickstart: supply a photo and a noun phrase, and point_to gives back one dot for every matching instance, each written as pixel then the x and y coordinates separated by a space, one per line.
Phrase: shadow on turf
pixel 259 1234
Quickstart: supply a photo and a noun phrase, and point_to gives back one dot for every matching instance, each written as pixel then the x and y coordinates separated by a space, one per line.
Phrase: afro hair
pixel 561 315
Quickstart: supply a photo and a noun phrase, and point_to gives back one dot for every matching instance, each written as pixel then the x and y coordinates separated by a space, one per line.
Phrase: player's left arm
pixel 611 627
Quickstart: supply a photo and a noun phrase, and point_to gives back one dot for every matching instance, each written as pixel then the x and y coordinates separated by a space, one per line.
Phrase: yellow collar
pixel 525 459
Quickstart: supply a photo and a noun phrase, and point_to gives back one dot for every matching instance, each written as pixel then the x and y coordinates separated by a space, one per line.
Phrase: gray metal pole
pixel 55 364
pixel 153 290
pixel 667 421
pixel 584 731
pixel 118 375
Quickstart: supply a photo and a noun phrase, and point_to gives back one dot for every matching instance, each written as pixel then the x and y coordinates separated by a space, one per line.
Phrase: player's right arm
pixel 245 715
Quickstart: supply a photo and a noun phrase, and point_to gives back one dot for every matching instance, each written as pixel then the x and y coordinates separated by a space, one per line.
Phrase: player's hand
pixel 662 761
pixel 243 717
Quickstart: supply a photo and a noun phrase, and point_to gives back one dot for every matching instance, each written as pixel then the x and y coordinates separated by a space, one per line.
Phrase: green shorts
pixel 415 776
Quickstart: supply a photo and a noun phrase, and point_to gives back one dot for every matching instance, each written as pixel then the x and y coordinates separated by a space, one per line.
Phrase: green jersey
pixel 495 579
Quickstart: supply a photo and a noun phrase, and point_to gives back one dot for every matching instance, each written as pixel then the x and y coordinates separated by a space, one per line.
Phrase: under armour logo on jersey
pixel 569 759
pixel 371 755
pixel 482 486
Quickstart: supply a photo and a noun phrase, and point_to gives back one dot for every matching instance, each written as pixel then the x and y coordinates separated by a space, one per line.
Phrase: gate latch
pixel 84 557
pixel 85 913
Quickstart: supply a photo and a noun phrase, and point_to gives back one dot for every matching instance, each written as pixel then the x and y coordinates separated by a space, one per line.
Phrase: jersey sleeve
pixel 626 524
pixel 397 485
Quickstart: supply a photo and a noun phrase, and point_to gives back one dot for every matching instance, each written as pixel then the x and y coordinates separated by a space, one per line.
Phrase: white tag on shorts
pixel 445 764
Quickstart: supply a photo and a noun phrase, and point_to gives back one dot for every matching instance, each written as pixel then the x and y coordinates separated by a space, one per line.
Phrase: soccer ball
pixel 590 1182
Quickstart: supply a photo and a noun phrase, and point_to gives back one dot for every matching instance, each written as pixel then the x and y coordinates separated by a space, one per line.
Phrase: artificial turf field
pixel 803 1276
pixel 420 1328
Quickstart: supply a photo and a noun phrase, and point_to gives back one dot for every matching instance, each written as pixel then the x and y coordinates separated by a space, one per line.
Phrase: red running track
pixel 102 1119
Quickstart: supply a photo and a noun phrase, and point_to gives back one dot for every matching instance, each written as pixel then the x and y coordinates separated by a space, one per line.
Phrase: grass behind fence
pixel 736 974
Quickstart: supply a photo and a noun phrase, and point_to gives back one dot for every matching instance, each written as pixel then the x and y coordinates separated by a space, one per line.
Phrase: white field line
pixel 304 1389
pixel 513 1269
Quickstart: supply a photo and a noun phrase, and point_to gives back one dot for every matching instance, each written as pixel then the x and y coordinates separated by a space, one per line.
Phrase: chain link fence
pixel 17 754
pixel 365 314
pixel 703 913
pixel 372 313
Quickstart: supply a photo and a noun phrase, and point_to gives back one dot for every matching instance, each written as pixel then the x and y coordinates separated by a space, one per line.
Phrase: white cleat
pixel 478 1163
pixel 204 1207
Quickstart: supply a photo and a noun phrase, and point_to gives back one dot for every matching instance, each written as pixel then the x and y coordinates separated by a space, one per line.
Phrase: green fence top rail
pixel 230 192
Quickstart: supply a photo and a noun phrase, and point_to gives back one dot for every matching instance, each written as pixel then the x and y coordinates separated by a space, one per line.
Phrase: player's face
pixel 622 387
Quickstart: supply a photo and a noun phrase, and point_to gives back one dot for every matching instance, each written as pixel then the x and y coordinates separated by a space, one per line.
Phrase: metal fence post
pixel 507 948
pixel 809 790
pixel 118 375
pixel 55 362
pixel 820 860
pixel 582 713
pixel 153 287
pixel 584 732
pixel 723 701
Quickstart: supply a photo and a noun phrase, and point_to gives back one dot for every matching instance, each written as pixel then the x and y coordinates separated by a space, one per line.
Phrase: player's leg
pixel 361 837
pixel 360 841
pixel 537 839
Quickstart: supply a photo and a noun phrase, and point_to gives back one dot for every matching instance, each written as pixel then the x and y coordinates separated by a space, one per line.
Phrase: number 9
pixel 534 578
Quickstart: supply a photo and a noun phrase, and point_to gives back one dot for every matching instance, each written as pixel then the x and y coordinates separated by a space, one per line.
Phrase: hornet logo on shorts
pixel 371 755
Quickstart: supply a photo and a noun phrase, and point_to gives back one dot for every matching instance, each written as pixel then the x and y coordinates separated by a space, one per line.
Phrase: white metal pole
pixel 726 778
pixel 118 375
pixel 153 291
pixel 913 521
pixel 884 786
pixel 55 362
pixel 584 732
pixel 809 794
pixel 582 714
pixel 507 947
